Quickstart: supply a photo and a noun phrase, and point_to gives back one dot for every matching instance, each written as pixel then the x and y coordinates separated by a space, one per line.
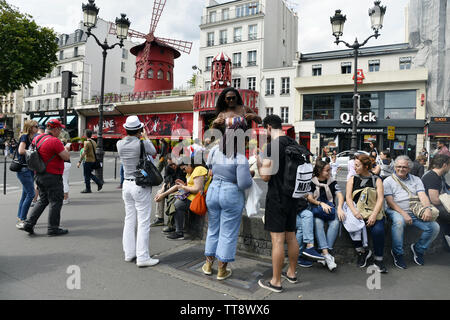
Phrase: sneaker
pixel 267 285
pixel 19 224
pixel 130 259
pixel 223 273
pixel 398 261
pixel 304 263
pixel 379 264
pixel 363 257
pixel 207 268
pixel 66 201
pixel 86 191
pixel 176 236
pixel 28 228
pixel 329 260
pixel 99 186
pixel 32 204
pixel 57 232
pixel 290 279
pixel 312 253
pixel 418 257
pixel 168 230
pixel 148 263
pixel 158 222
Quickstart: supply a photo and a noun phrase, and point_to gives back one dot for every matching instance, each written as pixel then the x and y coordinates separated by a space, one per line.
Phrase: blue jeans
pixel 87 171
pixel 326 241
pixel 26 177
pixel 225 202
pixel 430 232
pixel 305 228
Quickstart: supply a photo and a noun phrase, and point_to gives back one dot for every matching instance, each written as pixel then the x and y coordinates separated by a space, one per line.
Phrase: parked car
pixel 343 157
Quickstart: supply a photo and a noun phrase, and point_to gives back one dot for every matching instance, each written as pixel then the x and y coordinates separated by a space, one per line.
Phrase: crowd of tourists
pixel 304 213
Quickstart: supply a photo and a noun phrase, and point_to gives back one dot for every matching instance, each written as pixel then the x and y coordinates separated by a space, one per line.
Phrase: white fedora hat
pixel 133 123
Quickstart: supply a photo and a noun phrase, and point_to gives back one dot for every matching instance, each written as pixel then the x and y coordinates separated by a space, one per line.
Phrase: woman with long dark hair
pixel 231 111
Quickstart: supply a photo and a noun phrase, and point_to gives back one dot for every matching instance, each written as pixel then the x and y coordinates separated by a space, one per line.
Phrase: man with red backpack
pixel 50 182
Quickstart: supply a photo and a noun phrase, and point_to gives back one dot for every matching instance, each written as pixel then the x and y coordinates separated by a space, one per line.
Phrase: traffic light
pixel 67 84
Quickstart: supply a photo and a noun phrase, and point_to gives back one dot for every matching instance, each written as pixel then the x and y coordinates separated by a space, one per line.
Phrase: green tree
pixel 191 82
pixel 27 51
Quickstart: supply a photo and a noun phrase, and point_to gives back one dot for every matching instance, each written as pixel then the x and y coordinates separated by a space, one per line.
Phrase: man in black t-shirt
pixel 435 184
pixel 281 209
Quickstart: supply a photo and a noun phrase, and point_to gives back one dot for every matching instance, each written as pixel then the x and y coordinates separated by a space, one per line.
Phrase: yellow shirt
pixel 198 172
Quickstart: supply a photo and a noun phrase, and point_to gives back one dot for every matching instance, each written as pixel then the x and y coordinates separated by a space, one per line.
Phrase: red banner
pixel 155 125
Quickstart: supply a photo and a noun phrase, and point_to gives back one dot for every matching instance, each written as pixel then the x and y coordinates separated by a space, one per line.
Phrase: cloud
pixel 181 19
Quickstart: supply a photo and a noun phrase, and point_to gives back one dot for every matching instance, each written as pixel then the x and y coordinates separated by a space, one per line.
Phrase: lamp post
pixel 376 15
pixel 90 13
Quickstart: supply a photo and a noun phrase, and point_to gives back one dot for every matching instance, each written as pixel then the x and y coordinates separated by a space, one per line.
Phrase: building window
pixel 169 76
pixel 61 55
pixel 251 81
pixel 58 71
pixel 318 107
pixel 400 105
pixel 247 9
pixel 75 52
pixel 212 17
pixel 223 37
pixel 346 67
pixel 317 70
pixel 124 54
pixel 405 63
pixel 122 66
pixel 210 39
pixel 251 58
pixel 123 80
pixel 269 111
pixel 237 34
pixel 225 14
pixel 142 74
pixel 285 114
pixel 150 73
pixel 252 32
pixel 56 103
pixel 207 85
pixel 209 63
pixel 237 60
pixel 236 83
pixel 160 75
pixel 270 87
pixel 56 87
pixel 285 85
pixel 374 65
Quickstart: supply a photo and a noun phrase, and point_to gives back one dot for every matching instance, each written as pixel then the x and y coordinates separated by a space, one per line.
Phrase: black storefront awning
pixel 439 126
pixel 380 127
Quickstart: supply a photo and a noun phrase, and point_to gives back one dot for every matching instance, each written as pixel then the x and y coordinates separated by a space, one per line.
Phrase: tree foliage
pixel 27 51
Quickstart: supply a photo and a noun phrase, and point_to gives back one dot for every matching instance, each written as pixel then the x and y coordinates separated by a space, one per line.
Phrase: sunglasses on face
pixel 230 98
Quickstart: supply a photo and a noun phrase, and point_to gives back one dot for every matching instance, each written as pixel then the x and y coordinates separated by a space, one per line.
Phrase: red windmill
pixel 155 57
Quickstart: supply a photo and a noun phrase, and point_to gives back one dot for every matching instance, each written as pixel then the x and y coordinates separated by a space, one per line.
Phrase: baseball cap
pixel 55 123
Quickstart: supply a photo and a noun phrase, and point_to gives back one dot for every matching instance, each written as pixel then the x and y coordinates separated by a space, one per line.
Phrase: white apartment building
pixel 260 37
pixel 392 94
pixel 10 113
pixel 82 56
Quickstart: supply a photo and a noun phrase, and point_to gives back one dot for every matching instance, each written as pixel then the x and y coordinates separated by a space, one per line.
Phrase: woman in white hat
pixel 137 199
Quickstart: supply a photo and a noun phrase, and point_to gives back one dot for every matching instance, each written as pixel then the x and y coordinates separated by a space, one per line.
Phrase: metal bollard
pixel 4 177
pixel 115 168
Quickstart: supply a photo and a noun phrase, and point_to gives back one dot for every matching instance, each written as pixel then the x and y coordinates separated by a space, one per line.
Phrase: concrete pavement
pixel 39 267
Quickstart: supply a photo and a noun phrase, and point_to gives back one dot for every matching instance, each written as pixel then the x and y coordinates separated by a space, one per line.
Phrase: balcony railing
pixel 233 14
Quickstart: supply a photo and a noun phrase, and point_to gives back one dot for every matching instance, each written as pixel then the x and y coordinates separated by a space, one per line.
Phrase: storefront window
pixel 400 105
pixel 318 107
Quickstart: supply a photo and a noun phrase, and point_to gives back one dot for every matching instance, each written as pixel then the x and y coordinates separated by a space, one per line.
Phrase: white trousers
pixel 66 173
pixel 138 207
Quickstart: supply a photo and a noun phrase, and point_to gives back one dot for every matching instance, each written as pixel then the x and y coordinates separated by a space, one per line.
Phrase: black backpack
pixel 298 171
pixel 33 158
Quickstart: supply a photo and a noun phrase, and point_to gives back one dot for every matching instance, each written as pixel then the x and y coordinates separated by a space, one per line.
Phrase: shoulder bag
pixel 368 199
pixel 97 164
pixel 147 175
pixel 15 165
pixel 415 205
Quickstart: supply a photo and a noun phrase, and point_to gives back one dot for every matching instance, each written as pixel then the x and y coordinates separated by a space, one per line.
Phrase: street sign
pixel 391 133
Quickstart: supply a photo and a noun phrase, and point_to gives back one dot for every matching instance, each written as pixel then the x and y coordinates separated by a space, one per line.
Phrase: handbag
pixel 367 200
pixel 415 205
pixel 198 204
pixel 318 212
pixel 15 165
pixel 253 200
pixel 97 164
pixel 147 175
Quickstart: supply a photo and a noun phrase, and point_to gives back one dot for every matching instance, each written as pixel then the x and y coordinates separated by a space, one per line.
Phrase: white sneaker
pixel 148 263
pixel 66 201
pixel 329 260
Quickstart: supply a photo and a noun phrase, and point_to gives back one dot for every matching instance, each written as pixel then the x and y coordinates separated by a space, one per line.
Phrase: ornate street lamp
pixel 90 13
pixel 376 15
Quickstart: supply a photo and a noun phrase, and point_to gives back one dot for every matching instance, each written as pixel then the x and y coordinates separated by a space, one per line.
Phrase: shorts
pixel 281 214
